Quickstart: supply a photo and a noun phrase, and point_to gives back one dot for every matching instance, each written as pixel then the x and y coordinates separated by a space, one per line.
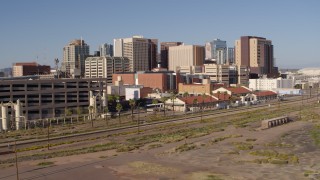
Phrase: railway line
pixel 149 126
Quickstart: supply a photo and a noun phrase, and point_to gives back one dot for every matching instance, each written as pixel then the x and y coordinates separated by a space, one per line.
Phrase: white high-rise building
pixel 74 55
pixel 118 47
pixel 104 67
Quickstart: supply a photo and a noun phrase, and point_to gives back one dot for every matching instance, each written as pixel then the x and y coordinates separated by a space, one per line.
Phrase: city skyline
pixel 40 30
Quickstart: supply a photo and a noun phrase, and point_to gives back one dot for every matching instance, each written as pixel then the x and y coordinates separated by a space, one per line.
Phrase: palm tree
pixel 203 96
pixel 218 96
pixel 132 104
pixel 164 99
pixel 224 95
pixel 173 97
pixel 119 108
pixel 106 115
pixel 91 112
pixel 79 112
pixel 155 102
pixel 195 101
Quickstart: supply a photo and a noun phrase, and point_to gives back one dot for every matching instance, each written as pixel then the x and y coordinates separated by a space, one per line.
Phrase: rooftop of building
pixel 199 99
pixel 265 93
pixel 25 64
pixel 222 96
pixel 238 90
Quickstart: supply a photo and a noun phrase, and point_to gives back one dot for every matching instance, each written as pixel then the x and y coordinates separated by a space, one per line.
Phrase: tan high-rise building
pixel 164 48
pixel 74 55
pixel 141 52
pixel 185 55
pixel 255 53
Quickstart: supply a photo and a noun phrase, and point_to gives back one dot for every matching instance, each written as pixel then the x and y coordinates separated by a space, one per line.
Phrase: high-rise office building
pixel 208 51
pixel 153 53
pixel 164 49
pixel 256 53
pixel 230 55
pixel 106 49
pixel 141 52
pixel 218 50
pixel 74 55
pixel 185 56
pixel 104 67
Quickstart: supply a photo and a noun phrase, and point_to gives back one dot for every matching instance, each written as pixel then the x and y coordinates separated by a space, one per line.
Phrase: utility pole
pixel 317 94
pixel 301 103
pixel 139 117
pixel 16 158
pixel 48 138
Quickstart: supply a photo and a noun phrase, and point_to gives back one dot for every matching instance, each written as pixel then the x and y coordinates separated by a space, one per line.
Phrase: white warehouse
pixel 270 84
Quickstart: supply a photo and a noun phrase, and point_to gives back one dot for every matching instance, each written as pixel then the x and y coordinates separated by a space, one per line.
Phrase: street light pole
pixel 139 117
pixel 16 158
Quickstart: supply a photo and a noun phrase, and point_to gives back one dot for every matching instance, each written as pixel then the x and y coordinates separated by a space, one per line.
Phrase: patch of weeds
pixel 279 145
pixel 278 161
pixel 126 148
pixel 251 139
pixel 309 173
pixel 261 161
pixel 234 152
pixel 220 139
pixel 237 135
pixel 185 147
pixel 67 152
pixel 45 163
pixel 172 138
pixel 152 146
pixel 213 177
pixel 3 166
pixel 242 145
pixel 315 134
pixel 276 158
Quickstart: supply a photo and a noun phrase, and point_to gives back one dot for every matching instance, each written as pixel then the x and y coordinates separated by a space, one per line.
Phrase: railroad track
pixel 20 144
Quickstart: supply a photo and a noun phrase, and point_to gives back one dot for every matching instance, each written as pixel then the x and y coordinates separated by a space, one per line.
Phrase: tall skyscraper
pixel 185 56
pixel 218 51
pixel 74 55
pixel 208 51
pixel 230 55
pixel 153 53
pixel 118 47
pixel 256 53
pixel 106 50
pixel 164 49
pixel 141 52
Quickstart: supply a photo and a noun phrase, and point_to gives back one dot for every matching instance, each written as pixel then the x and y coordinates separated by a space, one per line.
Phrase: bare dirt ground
pixel 207 161
pixel 283 152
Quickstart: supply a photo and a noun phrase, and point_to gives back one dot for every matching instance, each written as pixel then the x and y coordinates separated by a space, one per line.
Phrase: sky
pixel 37 30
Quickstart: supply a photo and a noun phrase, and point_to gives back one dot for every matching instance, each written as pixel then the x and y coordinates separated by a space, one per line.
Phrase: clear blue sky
pixel 31 28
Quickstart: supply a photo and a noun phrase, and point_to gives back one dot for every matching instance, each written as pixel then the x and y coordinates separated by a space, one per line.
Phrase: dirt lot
pixel 283 152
